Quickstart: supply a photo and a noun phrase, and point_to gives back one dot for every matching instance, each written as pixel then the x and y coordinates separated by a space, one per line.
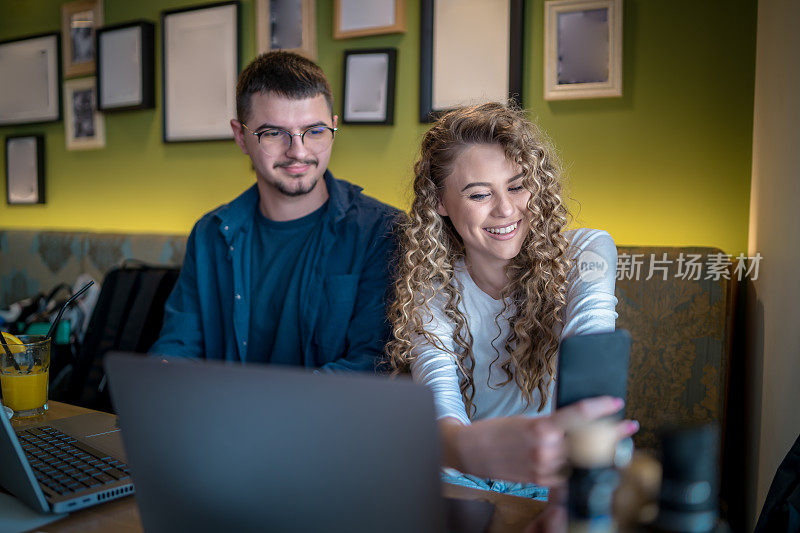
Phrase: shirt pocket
pixel 339 294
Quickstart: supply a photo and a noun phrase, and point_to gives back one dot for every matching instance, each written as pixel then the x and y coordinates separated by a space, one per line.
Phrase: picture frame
pixel 30 90
pixel 359 18
pixel 25 169
pixel 582 49
pixel 206 36
pixel 78 22
pixel 454 29
pixel 369 86
pixel 273 33
pixel 84 125
pixel 126 66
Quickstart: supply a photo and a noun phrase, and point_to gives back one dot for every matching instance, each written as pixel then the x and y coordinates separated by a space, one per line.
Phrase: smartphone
pixel 593 365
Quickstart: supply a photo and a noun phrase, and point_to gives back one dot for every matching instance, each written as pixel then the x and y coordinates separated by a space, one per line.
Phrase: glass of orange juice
pixel 24 374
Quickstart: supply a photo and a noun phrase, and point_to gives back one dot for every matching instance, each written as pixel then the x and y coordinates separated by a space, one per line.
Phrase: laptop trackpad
pixel 99 430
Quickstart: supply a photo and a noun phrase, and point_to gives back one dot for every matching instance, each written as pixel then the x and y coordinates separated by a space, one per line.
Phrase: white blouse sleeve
pixel 590 284
pixel 434 367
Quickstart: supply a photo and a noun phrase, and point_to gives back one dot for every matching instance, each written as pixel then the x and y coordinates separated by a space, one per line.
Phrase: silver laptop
pixel 216 447
pixel 64 465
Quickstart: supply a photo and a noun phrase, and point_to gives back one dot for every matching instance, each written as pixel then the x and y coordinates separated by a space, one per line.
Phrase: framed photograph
pixel 25 169
pixel 582 49
pixel 84 125
pixel 78 22
pixel 369 82
pixel 200 65
pixel 289 25
pixel 489 34
pixel 357 18
pixel 29 84
pixel 126 66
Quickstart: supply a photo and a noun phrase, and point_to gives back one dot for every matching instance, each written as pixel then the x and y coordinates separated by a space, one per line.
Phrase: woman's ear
pixel 440 208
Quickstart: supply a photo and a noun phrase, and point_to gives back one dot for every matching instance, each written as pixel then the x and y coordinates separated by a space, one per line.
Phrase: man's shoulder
pixel 360 208
pixel 370 210
pixel 232 213
pixel 350 193
pixel 207 226
pixel 370 203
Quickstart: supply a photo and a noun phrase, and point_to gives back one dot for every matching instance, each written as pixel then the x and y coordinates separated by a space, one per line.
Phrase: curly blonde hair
pixel 430 247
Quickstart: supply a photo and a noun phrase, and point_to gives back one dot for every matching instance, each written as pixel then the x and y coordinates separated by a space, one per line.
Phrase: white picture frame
pixel 200 66
pixel 582 49
pixel 25 169
pixel 30 84
pixel 289 25
pixel 359 18
pixel 84 125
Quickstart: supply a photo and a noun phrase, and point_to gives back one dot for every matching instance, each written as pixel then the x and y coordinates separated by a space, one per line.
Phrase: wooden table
pixel 512 513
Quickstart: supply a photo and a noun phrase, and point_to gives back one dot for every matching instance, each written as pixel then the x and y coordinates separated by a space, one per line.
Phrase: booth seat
pixel 683 356
pixel 37 261
pixel 682 337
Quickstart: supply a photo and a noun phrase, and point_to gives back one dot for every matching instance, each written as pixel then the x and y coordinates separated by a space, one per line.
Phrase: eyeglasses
pixel 276 141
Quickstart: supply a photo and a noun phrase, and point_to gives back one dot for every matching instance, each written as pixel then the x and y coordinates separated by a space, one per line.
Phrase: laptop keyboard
pixel 64 465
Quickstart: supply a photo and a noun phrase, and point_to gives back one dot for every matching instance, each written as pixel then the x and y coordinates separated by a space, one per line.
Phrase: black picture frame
pixel 37 163
pixel 146 57
pixel 383 116
pixel 427 113
pixel 51 113
pixel 169 136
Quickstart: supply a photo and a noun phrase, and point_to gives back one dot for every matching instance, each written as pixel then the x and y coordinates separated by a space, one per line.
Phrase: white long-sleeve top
pixel 590 304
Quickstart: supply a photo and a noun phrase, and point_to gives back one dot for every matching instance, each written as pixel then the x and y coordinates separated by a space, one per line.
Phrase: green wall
pixel 668 163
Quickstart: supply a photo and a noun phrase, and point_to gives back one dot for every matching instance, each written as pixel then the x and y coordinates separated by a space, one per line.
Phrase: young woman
pixel 488 284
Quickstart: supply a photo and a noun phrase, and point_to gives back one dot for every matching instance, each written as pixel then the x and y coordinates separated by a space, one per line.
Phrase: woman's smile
pixel 503 233
pixel 488 205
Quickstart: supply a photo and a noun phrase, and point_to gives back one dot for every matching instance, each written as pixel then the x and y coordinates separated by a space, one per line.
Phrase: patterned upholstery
pixel 37 261
pixel 681 337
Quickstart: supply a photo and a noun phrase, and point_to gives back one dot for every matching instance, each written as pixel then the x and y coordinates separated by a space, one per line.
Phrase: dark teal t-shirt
pixel 278 248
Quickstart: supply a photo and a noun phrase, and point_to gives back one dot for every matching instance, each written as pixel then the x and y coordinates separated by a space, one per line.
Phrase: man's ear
pixel 335 120
pixel 238 135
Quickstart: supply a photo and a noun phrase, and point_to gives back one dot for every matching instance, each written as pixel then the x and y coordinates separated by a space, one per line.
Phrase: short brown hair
pixel 283 73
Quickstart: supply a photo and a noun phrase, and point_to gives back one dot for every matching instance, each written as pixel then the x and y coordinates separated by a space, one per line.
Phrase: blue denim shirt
pixel 344 284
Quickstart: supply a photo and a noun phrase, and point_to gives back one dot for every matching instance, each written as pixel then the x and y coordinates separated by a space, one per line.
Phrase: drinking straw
pixel 64 308
pixel 9 354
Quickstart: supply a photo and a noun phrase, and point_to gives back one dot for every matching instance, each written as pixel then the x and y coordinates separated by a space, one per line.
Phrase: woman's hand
pixel 520 448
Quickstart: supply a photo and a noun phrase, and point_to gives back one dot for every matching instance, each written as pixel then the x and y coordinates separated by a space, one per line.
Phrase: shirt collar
pixel 238 214
pixel 342 195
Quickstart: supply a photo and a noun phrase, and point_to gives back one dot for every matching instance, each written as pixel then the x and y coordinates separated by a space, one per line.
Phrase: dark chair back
pixel 128 317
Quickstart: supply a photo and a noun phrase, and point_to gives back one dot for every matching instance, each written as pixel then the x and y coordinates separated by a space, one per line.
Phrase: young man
pixel 295 270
